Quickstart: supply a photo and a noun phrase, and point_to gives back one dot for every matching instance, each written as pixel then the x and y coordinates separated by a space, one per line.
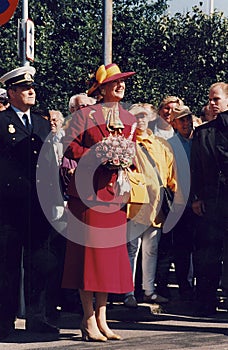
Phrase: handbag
pixel 138 193
pixel 65 174
pixel 167 200
pixel 166 193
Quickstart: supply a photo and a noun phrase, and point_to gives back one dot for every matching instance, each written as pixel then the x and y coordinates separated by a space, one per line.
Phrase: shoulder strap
pixel 133 127
pixel 152 162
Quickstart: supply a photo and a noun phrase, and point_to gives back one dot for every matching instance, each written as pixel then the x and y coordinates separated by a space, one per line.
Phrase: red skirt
pixel 96 253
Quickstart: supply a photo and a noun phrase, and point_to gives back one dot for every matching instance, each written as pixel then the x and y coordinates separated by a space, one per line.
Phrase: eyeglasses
pixel 78 106
pixel 140 116
pixel 81 106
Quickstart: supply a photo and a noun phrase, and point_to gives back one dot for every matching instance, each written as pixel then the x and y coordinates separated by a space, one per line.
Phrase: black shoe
pixel 206 311
pixel 41 327
pixel 164 291
pixel 130 302
pixel 187 295
pixel 5 331
pixel 155 298
pixel 53 317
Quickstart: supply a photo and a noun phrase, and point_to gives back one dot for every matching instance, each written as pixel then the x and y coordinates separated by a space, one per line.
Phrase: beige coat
pixel 162 155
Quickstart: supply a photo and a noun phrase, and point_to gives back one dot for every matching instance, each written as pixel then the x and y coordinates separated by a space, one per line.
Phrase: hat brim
pixel 183 115
pixel 118 76
pixel 114 77
pixel 92 89
pixel 25 83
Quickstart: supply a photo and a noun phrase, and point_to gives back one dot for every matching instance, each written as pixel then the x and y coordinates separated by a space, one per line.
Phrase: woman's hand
pixel 198 207
pixel 71 171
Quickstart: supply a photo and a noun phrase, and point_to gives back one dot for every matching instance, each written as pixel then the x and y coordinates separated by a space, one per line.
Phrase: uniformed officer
pixel 23 225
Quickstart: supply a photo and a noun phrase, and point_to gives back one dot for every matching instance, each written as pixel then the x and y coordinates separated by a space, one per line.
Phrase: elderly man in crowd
pixel 77 102
pixel 181 142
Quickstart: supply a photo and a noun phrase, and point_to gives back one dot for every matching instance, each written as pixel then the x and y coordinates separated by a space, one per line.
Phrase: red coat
pixel 98 258
pixel 88 127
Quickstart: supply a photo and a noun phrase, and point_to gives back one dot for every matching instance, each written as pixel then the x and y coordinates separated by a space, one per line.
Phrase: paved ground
pixel 148 327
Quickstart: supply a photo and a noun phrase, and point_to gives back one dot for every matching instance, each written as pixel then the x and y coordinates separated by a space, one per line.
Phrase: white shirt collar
pixel 20 114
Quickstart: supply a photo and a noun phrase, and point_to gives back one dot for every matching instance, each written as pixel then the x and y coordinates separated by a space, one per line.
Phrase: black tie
pixel 26 122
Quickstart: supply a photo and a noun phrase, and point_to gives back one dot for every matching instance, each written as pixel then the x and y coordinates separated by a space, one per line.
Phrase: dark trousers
pixel 30 231
pixel 225 263
pixel 207 258
pixel 165 258
pixel 176 246
pixel 10 269
pixel 183 248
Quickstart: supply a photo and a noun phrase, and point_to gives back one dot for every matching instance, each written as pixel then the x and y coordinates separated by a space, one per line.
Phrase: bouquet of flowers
pixel 116 151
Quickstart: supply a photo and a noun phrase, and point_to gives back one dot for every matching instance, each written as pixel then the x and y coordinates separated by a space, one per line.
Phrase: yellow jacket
pixel 162 155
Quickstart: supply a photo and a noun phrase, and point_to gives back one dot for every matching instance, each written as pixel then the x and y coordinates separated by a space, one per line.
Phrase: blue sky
pixel 186 5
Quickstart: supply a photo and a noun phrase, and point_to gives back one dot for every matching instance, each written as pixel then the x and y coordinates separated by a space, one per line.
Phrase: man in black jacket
pixel 23 225
pixel 209 192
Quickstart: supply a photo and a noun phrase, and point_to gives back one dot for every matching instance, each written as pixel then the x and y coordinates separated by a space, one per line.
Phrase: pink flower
pixel 109 154
pixel 104 160
pixel 105 148
pixel 116 161
pixel 119 150
pixel 115 151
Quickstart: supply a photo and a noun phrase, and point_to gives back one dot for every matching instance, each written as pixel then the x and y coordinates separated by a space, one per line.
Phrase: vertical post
pixel 25 62
pixel 107 31
pixel 211 7
pixel 22 32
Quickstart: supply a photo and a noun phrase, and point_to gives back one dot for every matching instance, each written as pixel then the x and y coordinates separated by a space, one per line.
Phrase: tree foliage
pixel 181 55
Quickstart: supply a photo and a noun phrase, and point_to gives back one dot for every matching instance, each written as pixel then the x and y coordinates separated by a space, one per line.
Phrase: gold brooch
pixel 11 129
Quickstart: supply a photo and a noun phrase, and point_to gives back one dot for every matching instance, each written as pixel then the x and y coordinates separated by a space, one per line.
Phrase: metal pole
pixel 107 31
pixel 25 62
pixel 22 310
pixel 211 7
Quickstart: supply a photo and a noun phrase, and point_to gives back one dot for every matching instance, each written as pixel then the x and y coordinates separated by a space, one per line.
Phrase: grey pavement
pixel 148 327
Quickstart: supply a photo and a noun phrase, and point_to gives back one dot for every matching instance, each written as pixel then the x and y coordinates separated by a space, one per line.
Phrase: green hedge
pixel 181 55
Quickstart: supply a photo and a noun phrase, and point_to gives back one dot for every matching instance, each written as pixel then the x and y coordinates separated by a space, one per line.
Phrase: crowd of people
pixel 68 231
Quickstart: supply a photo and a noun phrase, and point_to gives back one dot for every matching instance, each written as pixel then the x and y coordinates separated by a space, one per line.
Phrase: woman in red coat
pixel 97 261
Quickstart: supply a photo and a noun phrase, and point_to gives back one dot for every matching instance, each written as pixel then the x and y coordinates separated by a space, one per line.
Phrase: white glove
pixel 57 212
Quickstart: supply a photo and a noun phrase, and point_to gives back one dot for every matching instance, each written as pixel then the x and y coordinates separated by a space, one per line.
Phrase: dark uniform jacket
pixel 209 166
pixel 22 219
pixel 19 161
pixel 19 152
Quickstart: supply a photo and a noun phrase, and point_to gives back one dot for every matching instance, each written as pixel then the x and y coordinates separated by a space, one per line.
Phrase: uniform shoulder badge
pixel 11 129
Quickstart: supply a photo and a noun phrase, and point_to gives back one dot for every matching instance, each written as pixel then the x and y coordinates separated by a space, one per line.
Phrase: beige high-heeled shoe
pixel 110 335
pixel 87 336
